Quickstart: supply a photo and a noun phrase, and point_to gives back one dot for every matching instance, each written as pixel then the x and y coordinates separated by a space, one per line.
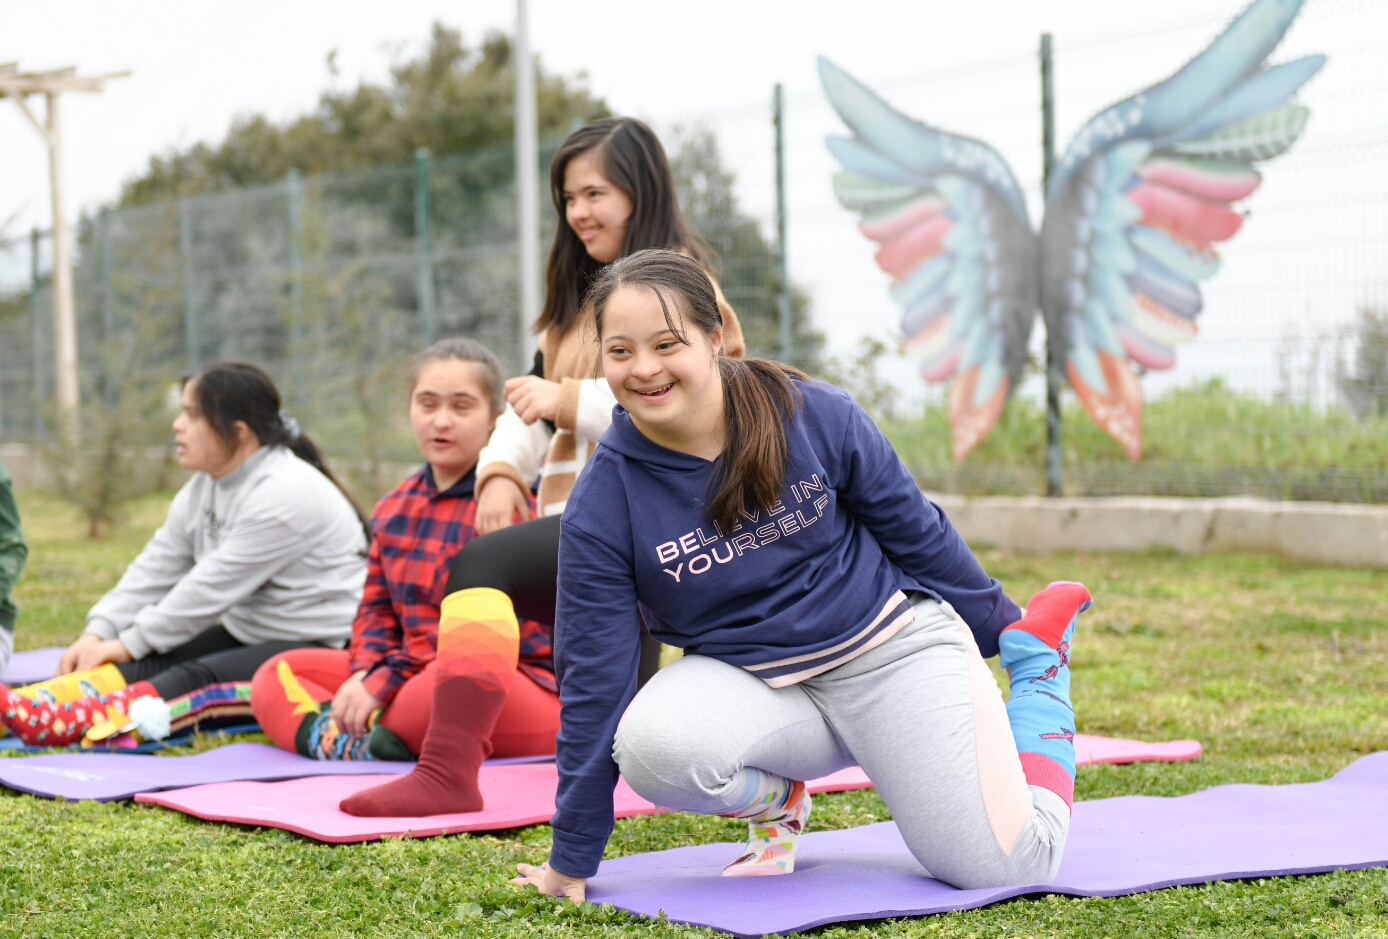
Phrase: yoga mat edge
pixel 1118 847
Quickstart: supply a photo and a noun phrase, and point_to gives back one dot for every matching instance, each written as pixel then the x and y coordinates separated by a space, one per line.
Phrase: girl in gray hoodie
pixel 262 552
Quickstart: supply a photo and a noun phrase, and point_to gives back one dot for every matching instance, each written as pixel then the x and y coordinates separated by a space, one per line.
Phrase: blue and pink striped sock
pixel 1036 654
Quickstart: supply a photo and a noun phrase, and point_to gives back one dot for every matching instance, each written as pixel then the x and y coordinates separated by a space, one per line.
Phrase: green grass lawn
pixel 1280 669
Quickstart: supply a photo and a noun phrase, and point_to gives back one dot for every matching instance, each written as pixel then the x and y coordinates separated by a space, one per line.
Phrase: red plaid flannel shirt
pixel 416 531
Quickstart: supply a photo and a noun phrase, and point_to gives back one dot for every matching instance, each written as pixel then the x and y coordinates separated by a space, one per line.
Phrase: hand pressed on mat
pixel 550 882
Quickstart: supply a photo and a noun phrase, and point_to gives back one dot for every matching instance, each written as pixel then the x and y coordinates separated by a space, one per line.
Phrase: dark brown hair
pixel 630 156
pixel 464 350
pixel 228 392
pixel 759 395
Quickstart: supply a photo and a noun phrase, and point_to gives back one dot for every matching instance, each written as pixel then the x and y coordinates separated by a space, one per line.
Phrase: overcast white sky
pixel 967 67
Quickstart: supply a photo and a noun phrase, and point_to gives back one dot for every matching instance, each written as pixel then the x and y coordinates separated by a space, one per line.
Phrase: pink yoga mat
pixel 515 796
pixel 1115 750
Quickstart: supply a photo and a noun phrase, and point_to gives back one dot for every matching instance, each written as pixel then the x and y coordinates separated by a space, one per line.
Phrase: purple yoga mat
pixel 1117 846
pixel 25 668
pixel 107 776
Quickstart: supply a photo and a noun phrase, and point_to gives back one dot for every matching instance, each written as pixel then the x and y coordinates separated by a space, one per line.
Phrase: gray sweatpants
pixel 920 713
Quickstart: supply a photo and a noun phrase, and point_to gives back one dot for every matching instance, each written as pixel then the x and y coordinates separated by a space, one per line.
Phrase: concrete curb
pixel 1327 532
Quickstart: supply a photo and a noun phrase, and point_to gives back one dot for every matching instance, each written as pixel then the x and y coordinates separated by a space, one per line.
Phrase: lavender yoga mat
pixel 25 668
pixel 1117 846
pixel 107 776
pixel 514 796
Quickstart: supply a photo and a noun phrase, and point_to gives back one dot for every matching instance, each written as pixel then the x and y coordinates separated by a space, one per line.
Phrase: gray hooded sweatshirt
pixel 272 551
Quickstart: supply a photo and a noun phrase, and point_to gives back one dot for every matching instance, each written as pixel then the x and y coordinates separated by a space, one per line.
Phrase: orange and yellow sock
pixel 478 648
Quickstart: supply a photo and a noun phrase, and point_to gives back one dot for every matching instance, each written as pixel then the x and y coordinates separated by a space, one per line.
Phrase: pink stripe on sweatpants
pixel 1045 772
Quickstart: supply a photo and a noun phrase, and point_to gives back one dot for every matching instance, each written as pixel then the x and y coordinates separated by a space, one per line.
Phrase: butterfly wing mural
pixel 1134 209
pixel 953 232
pixel 1141 197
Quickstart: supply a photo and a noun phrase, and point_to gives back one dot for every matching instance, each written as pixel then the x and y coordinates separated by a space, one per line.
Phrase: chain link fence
pixel 331 283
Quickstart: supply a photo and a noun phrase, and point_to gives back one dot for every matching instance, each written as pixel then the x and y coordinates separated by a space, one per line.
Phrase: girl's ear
pixel 242 432
pixel 716 339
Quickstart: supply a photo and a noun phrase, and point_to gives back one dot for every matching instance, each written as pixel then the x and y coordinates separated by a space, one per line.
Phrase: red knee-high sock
pixel 39 723
pixel 478 646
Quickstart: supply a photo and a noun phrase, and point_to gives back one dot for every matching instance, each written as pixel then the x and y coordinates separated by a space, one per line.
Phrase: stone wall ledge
pixel 1326 532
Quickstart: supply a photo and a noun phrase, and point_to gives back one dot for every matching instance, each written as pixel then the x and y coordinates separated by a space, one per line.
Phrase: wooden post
pixel 64 314
pixel 18 86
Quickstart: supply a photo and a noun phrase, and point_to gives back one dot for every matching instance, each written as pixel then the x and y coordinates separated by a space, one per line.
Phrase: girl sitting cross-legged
pixel 375 699
pixel 829 613
pixel 262 551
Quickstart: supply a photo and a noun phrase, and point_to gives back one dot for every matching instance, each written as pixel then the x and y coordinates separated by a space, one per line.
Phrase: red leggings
pixel 526 726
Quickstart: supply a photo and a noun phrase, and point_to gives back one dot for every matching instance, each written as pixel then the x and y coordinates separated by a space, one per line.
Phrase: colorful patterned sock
pixel 1036 654
pixel 319 737
pixel 776 818
pixel 64 689
pixel 44 723
pixel 479 645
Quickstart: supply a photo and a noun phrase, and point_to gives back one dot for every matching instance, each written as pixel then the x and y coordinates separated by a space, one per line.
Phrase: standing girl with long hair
pixel 615 193
pixel 829 613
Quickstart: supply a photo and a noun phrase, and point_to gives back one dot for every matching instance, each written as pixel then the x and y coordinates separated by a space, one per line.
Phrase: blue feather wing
pixel 1141 196
pixel 953 232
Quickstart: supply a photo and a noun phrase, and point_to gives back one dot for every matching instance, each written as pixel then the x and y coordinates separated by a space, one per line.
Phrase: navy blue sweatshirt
pixel 816 578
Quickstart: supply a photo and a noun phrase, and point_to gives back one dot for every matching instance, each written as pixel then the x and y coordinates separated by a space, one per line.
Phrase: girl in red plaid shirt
pixel 374 699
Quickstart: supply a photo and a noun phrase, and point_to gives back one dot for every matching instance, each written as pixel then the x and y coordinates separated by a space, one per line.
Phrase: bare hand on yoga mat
pixel 550 882
pixel 533 398
pixel 501 500
pixel 353 704
pixel 91 650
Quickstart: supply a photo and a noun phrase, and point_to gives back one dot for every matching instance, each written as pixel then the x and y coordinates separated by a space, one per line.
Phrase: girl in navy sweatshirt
pixel 829 614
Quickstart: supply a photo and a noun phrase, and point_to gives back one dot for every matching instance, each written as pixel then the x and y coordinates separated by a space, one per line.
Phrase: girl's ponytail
pixel 759 395
pixel 758 399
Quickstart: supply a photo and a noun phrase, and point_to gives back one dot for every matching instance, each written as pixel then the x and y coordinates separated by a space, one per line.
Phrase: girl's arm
pixel 378 638
pixel 913 532
pixel 165 559
pixel 515 450
pixel 259 546
pixel 13 551
pixel 596 653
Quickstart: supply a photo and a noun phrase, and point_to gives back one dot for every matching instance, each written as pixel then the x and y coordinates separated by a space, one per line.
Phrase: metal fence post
pixel 192 340
pixel 785 332
pixel 108 313
pixel 1055 452
pixel 294 191
pixel 40 426
pixel 527 155
pixel 424 263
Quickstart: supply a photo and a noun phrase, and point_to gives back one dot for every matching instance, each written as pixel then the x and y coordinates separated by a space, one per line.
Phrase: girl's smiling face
pixel 451 413
pixel 595 208
pixel 669 384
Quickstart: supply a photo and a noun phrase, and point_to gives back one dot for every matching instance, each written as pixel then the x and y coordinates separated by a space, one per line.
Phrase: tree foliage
pixel 1364 380
pixel 454 97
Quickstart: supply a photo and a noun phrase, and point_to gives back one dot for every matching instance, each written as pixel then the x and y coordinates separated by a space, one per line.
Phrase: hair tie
pixel 291 426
